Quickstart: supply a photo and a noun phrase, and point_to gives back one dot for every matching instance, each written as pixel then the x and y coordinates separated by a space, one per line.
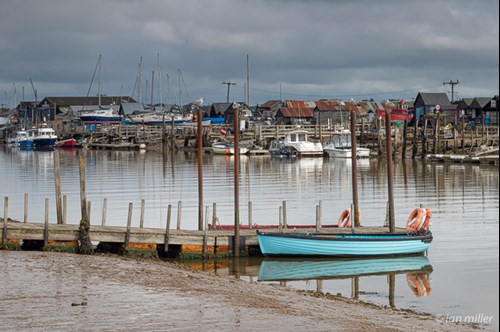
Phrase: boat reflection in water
pixel 417 269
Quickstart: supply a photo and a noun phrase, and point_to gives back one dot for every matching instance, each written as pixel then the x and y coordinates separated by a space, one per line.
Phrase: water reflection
pixel 300 273
pixel 305 269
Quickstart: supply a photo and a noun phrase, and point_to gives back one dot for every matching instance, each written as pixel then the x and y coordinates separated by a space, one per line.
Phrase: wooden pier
pixel 171 242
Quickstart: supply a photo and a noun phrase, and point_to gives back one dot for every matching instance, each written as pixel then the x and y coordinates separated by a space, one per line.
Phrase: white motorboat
pixel 226 148
pixel 298 142
pixel 340 146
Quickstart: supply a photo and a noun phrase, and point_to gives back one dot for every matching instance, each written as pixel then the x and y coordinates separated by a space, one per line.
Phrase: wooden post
pixel 214 217
pixel 89 210
pixel 104 208
pixel 280 221
pixel 179 214
pixel 392 227
pixel 205 234
pixel 200 170
pixel 285 220
pixel 57 176
pixel 143 203
pixel 46 225
pixel 129 224
pixel 26 207
pixel 320 205
pixel 354 159
pixel 236 251
pixel 65 209
pixel 405 133
pixel 250 214
pixel 167 228
pixel 415 136
pixel 5 218
pixel 436 134
pixel 318 223
pixel 83 195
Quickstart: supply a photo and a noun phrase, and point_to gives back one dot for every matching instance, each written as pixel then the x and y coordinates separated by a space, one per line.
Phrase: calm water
pixel 464 199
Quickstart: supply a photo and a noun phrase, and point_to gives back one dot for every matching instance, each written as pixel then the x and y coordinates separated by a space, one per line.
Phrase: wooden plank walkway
pixel 116 234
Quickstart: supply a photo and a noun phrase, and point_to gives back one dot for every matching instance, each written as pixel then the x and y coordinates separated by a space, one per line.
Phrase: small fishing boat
pixel 287 269
pixel 22 139
pixel 298 142
pixel 45 137
pixel 225 148
pixel 361 244
pixel 66 143
pixel 340 146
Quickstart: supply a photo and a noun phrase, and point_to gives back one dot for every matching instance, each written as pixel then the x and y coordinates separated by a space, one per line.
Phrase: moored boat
pixel 45 137
pixel 340 146
pixel 298 142
pixel 66 143
pixel 226 148
pixel 101 116
pixel 361 244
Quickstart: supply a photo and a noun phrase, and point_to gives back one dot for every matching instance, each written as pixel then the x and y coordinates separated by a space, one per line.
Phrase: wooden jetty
pixel 172 242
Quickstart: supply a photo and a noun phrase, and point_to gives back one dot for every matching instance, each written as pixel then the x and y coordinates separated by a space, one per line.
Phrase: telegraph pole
pixel 452 83
pixel 228 88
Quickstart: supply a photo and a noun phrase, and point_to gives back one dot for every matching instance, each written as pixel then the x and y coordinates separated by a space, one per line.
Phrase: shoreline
pixel 55 291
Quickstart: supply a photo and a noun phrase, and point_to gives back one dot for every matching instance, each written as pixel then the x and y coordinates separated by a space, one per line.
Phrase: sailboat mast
pixel 159 84
pixel 248 81
pixel 99 81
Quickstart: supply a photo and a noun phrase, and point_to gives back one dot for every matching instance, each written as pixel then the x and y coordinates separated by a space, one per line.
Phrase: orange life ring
pixel 414 220
pixel 345 218
pixel 426 218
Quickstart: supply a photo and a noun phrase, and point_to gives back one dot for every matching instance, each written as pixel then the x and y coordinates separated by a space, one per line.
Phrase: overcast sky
pixel 298 49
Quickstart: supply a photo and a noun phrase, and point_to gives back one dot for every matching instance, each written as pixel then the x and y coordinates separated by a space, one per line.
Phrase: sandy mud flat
pixel 58 291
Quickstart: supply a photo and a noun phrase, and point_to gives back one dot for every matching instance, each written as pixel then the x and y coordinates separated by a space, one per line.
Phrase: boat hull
pixel 342 245
pixel 226 150
pixel 44 142
pixel 100 119
pixel 67 143
pixel 346 153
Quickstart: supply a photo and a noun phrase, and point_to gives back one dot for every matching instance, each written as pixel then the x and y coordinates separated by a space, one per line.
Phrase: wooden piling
pixel 214 216
pixel 320 206
pixel 205 234
pixel 46 224
pixel 405 134
pixel 104 209
pixel 89 210
pixel 354 162
pixel 26 207
pixel 280 221
pixel 318 223
pixel 200 169
pixel 65 209
pixel 141 223
pixel 5 218
pixel 57 176
pixel 236 250
pixel 250 214
pixel 167 228
pixel 129 224
pixel 179 214
pixel 285 220
pixel 392 226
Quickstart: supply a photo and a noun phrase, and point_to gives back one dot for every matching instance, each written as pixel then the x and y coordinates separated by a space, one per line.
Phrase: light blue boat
pixel 342 245
pixel 286 269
